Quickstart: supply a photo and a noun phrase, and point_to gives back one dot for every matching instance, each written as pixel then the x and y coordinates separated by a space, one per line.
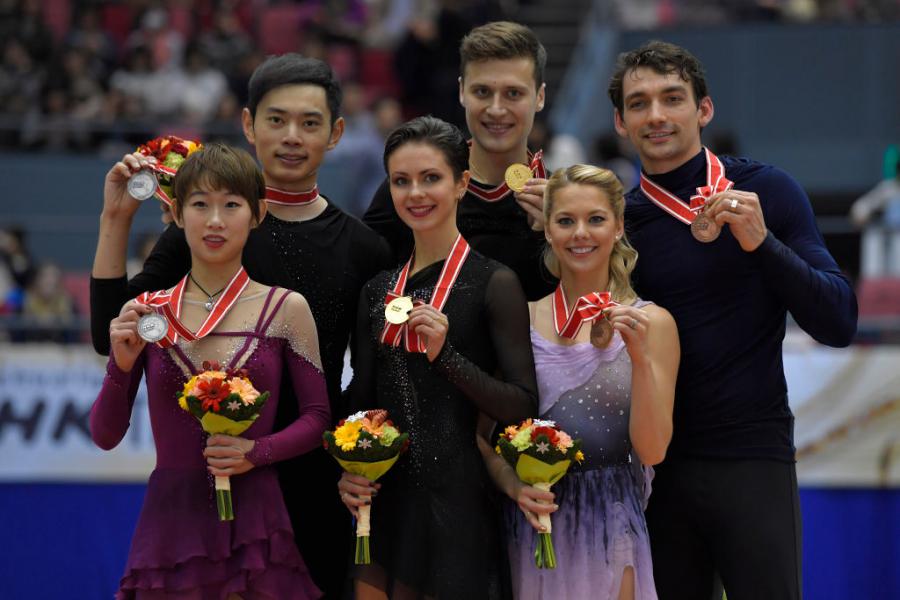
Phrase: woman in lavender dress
pixel 180 549
pixel 610 383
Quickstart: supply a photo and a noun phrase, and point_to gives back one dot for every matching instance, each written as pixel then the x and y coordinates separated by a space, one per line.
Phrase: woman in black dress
pixel 461 361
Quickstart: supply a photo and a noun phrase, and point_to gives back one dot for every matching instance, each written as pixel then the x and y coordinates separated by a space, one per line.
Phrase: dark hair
pixel 432 131
pixel 503 40
pixel 664 58
pixel 217 166
pixel 294 69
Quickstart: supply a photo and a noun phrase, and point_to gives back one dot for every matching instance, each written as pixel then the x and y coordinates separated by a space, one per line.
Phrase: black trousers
pixel 737 518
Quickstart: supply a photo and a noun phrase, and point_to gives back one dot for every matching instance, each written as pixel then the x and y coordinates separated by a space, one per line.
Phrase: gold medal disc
pixel 397 310
pixel 516 176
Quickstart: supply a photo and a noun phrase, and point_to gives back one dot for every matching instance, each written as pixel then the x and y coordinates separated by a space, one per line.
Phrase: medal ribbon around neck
pixel 276 196
pixel 715 182
pixel 587 308
pixel 393 333
pixel 538 170
pixel 169 304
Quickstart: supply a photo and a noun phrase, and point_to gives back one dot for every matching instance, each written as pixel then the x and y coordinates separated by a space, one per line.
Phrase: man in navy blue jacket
pixel 725 499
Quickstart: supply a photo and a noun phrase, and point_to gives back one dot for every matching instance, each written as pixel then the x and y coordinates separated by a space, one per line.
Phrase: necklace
pixel 209 301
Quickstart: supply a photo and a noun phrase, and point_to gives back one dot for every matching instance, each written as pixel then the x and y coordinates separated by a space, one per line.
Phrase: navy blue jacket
pixel 730 306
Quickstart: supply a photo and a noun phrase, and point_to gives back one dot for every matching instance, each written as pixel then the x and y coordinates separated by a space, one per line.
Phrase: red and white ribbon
pixel 587 308
pixel 538 170
pixel 169 304
pixel 276 196
pixel 160 193
pixel 715 182
pixel 394 333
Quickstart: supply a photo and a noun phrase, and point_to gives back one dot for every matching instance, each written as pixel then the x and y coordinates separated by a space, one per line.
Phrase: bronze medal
pixel 516 175
pixel 397 310
pixel 601 333
pixel 704 229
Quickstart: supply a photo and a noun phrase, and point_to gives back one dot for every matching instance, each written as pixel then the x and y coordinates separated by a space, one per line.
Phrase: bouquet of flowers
pixel 541 453
pixel 170 152
pixel 365 443
pixel 224 402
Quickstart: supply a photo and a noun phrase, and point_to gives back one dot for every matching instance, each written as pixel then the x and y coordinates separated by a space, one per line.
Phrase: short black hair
pixel 432 131
pixel 294 69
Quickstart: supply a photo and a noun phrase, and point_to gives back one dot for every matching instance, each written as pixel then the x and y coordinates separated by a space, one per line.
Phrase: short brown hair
pixel 664 58
pixel 218 166
pixel 503 40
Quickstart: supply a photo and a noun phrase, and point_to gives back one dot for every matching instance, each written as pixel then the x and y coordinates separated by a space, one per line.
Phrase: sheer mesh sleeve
pixel 301 358
pixel 111 412
pixel 514 397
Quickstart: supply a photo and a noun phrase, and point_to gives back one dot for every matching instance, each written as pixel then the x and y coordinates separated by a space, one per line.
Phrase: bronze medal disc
pixel 397 310
pixel 142 185
pixel 152 327
pixel 705 229
pixel 601 332
pixel 516 176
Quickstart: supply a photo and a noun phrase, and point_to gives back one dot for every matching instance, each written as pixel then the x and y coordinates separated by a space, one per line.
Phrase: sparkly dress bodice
pixel 587 391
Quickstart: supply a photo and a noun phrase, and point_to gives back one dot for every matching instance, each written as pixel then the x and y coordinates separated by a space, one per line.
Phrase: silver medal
pixel 152 327
pixel 142 185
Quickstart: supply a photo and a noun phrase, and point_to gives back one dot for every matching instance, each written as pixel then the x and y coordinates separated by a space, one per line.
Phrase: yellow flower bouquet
pixel 365 443
pixel 541 453
pixel 224 402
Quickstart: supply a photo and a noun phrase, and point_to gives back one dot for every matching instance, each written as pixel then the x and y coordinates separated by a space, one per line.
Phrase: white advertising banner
pixel 46 393
pixel 847 404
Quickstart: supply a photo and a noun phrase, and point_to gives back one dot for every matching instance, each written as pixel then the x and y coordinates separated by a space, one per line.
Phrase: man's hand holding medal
pixel 743 214
pixel 529 192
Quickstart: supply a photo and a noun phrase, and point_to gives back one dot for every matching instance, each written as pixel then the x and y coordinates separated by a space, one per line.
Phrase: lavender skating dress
pixel 599 529
pixel 180 549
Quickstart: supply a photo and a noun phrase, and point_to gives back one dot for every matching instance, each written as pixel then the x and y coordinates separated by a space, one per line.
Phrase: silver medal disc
pixel 142 185
pixel 152 327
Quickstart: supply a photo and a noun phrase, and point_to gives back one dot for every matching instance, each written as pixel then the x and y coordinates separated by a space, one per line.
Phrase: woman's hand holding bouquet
pixel 540 453
pixel 366 444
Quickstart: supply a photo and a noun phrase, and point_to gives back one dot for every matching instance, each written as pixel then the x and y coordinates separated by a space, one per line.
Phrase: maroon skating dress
pixel 180 549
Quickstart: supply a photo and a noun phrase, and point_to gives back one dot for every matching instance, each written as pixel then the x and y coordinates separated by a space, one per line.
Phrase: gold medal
pixel 705 229
pixel 397 310
pixel 516 176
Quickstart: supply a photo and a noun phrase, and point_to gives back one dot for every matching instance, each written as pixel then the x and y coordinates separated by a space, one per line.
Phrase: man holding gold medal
pixel 305 244
pixel 728 246
pixel 501 87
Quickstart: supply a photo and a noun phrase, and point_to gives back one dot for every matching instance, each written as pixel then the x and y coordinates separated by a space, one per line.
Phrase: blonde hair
pixel 623 257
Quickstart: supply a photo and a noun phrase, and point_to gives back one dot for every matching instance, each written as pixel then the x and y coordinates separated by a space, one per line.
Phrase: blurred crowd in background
pixel 102 77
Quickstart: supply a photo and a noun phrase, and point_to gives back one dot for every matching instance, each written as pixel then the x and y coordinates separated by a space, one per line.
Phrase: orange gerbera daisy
pixel 211 392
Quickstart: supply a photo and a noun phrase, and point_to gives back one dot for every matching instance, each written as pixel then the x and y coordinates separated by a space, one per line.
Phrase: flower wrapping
pixel 224 401
pixel 170 152
pixel 365 443
pixel 541 453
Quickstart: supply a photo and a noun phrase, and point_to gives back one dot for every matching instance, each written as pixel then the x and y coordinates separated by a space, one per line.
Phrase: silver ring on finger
pixel 734 203
pixel 633 323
